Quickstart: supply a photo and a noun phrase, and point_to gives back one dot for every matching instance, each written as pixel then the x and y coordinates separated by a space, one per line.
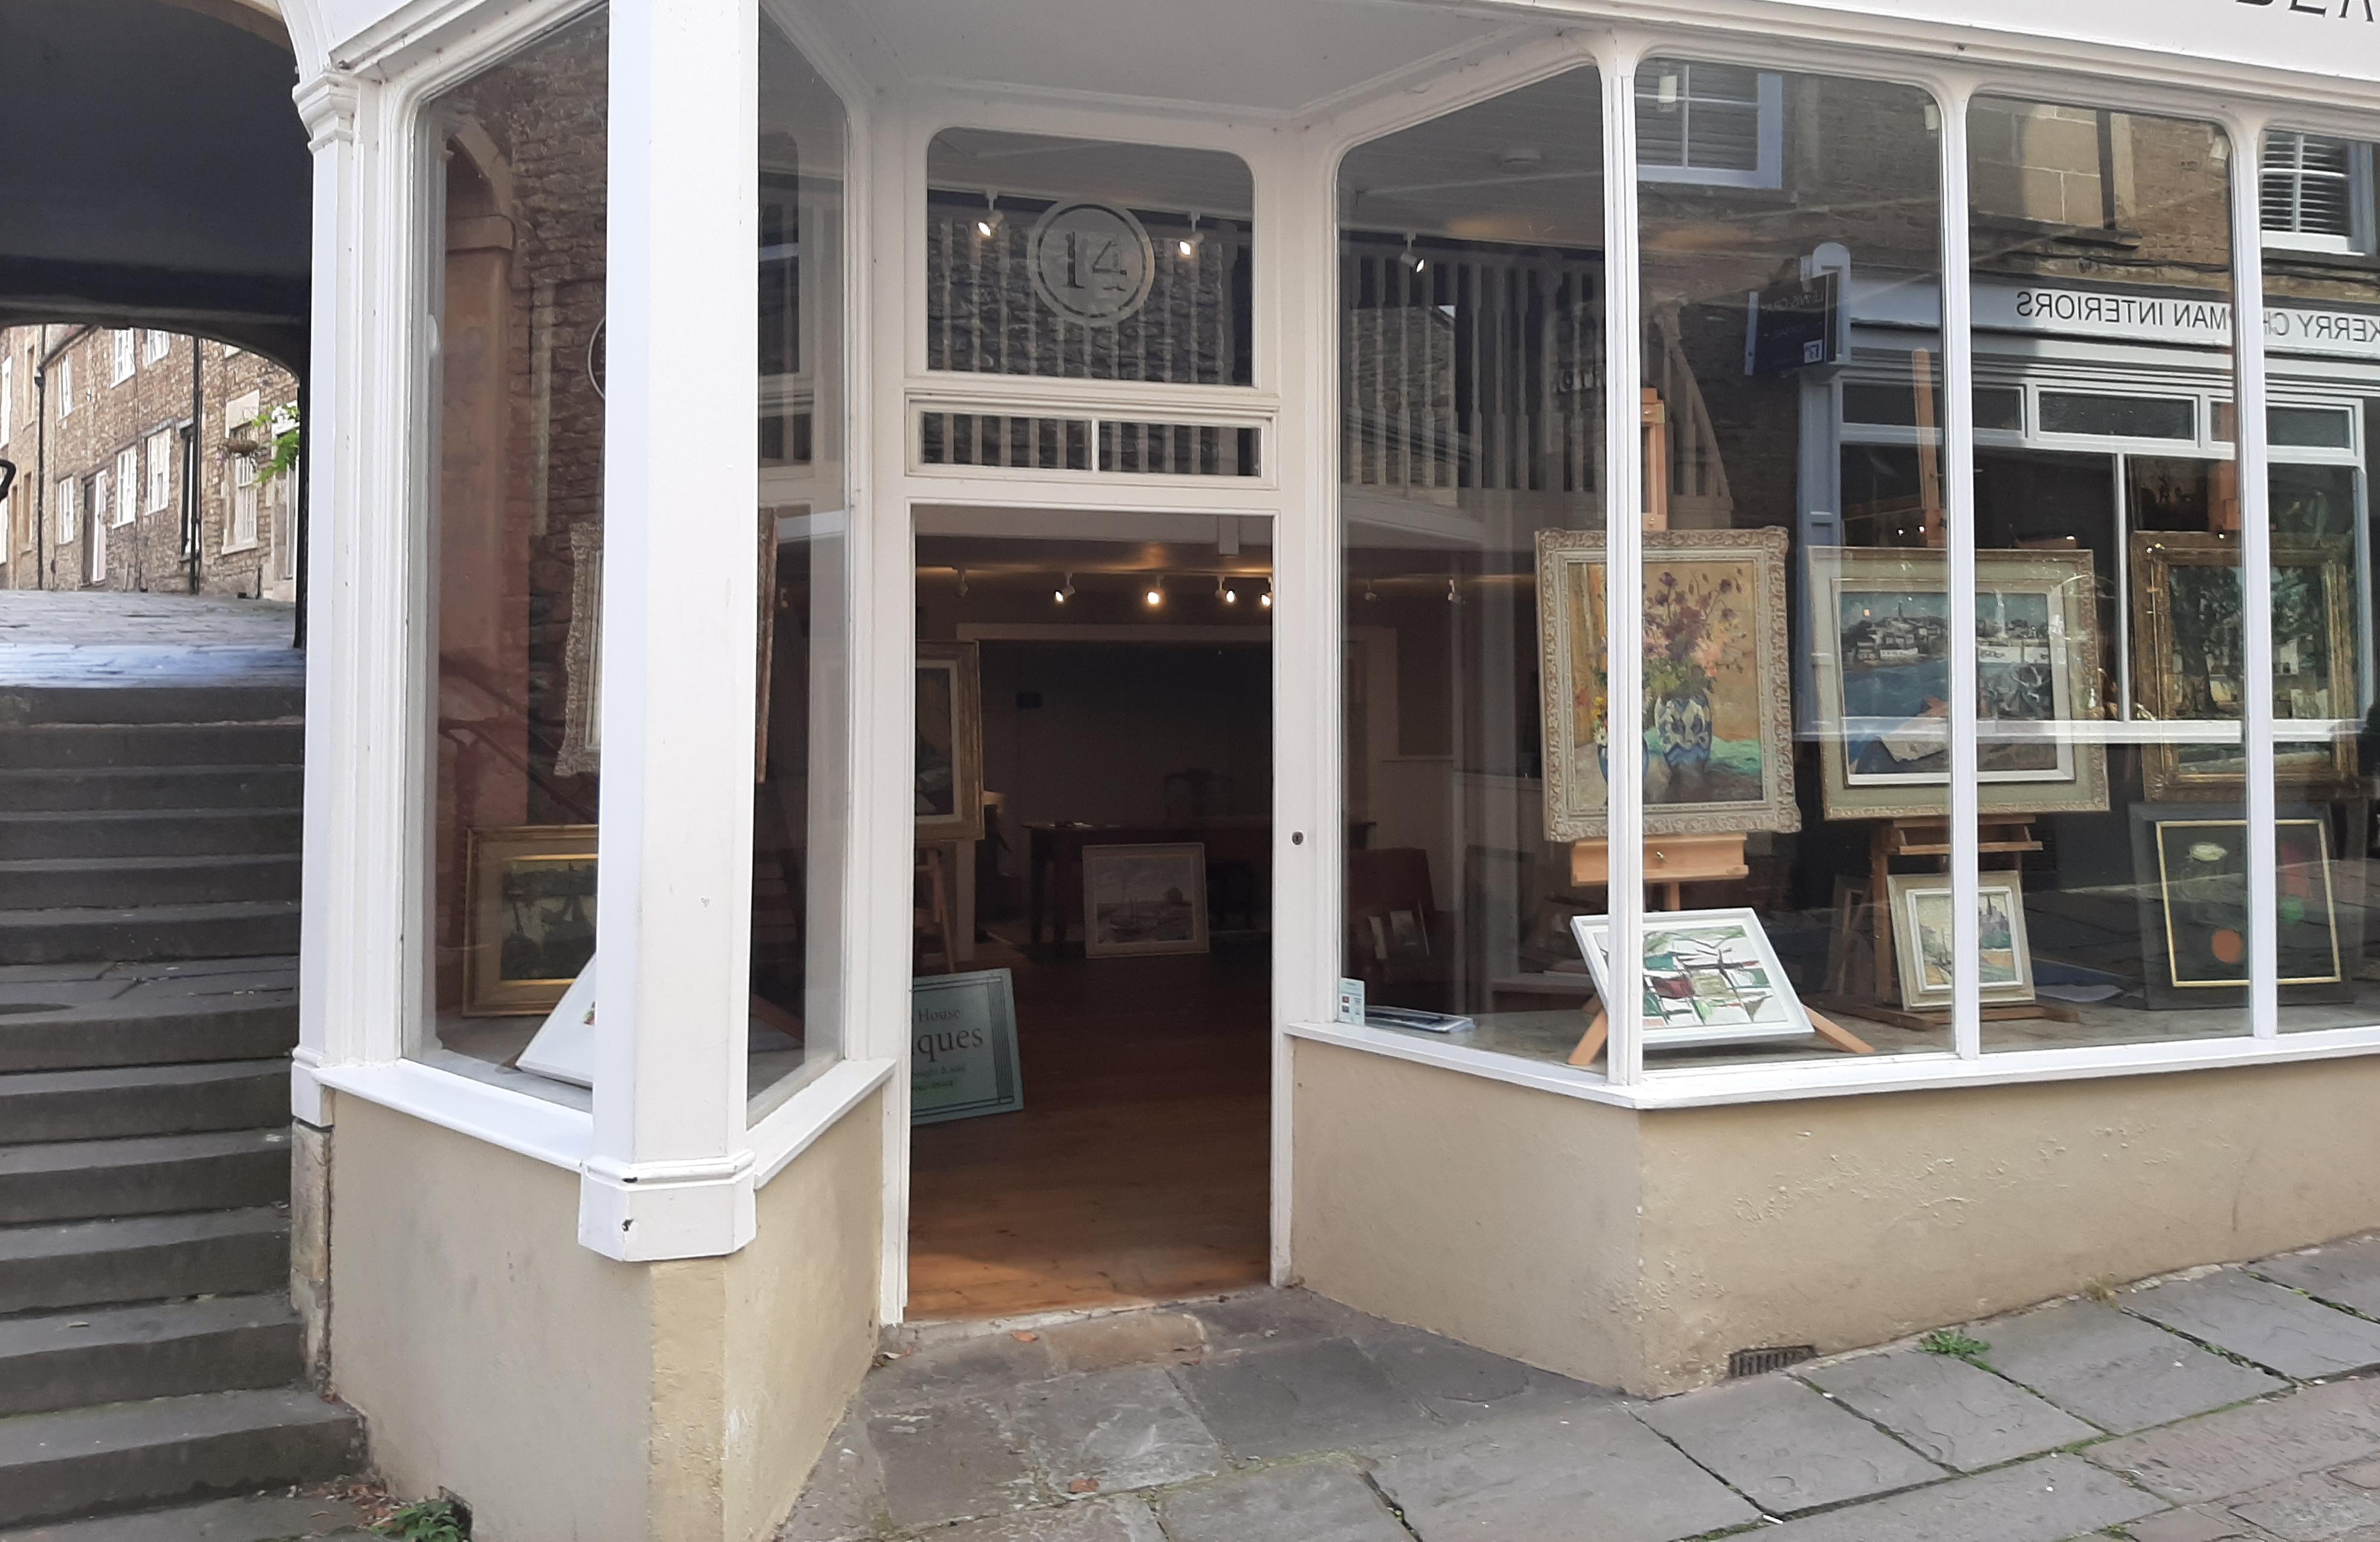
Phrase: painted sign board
pixel 963 1046
pixel 2125 315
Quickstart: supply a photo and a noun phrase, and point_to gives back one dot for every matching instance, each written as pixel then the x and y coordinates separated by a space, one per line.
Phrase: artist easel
pixel 1928 838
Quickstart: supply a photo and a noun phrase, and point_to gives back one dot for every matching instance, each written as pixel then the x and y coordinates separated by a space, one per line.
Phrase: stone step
pixel 144 1100
pixel 123 881
pixel 97 1263
pixel 120 704
pixel 96 789
pixel 72 1359
pixel 71 745
pixel 225 930
pixel 144 1175
pixel 280 1517
pixel 69 1038
pixel 129 1455
pixel 150 833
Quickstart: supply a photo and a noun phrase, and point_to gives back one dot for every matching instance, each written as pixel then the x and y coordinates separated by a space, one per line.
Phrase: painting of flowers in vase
pixel 1714 723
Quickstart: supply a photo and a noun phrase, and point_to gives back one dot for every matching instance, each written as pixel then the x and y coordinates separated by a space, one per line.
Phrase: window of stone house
pixel 2316 193
pixel 160 455
pixel 1713 123
pixel 65 388
pixel 1089 259
pixel 128 484
pixel 514 516
pixel 124 346
pixel 160 344
pixel 66 510
pixel 7 397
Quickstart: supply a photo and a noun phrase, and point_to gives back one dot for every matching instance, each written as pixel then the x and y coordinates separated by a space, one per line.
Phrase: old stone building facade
pixel 104 426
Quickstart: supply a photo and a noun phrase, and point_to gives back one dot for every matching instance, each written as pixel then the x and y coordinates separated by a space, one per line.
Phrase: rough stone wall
pixel 110 416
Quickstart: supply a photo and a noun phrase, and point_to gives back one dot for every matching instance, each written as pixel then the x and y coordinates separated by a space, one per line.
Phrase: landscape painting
pixel 1714 721
pixel 1144 900
pixel 1927 956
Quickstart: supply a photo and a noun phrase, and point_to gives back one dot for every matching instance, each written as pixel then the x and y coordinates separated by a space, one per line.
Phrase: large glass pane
pixel 514 490
pixel 2320 291
pixel 798 816
pixel 2115 825
pixel 1471 288
pixel 1793 731
pixel 1089 259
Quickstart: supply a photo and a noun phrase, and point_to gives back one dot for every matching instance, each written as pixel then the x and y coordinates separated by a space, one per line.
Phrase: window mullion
pixel 1623 574
pixel 1959 517
pixel 2252 434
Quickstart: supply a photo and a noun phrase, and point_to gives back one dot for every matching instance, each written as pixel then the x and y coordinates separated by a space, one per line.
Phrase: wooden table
pixel 1054 860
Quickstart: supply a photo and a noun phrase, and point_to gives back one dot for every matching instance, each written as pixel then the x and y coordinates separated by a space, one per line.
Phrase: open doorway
pixel 1107 703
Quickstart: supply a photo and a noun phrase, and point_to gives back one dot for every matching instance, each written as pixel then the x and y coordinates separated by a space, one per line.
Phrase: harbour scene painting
pixel 1895 652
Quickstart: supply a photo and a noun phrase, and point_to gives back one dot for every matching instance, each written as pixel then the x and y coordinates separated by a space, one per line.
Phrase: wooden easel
pixel 1928 838
pixel 1672 862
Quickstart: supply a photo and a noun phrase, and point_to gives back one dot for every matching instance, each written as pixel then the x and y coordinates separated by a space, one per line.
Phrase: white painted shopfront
pixel 1072 324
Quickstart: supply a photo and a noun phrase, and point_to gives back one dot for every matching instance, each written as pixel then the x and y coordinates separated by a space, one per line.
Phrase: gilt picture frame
pixel 949 743
pixel 1716 726
pixel 2188 651
pixel 1922 953
pixel 528 908
pixel 1879 648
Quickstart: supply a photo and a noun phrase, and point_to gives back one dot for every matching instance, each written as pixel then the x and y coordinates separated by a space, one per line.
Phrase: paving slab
pixel 845 1496
pixel 1265 1318
pixel 1292 1399
pixel 1116 1430
pixel 2316 1507
pixel 1120 1520
pixel 2117 1371
pixel 2047 1499
pixel 1319 1501
pixel 1951 1411
pixel 1458 1383
pixel 983 1366
pixel 2345 1273
pixel 2262 1322
pixel 1594 1475
pixel 2198 1523
pixel 953 1464
pixel 1786 1447
pixel 1126 1338
pixel 2242 1450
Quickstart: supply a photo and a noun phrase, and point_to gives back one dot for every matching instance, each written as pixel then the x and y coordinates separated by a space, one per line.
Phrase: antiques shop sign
pixel 2133 316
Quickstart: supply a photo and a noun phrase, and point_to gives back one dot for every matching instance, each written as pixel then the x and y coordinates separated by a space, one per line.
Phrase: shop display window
pixel 1087 260
pixel 514 490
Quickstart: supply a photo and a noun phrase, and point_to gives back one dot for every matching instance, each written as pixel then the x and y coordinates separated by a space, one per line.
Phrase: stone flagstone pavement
pixel 2235 1404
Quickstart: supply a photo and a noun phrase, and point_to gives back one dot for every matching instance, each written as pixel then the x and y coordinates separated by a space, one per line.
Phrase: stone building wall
pixel 112 415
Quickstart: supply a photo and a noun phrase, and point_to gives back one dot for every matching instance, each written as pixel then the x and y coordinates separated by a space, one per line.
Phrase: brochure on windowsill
pixel 1421 1021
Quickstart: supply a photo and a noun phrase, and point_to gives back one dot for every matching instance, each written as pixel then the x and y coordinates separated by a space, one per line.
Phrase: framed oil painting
pixel 1921 914
pixel 2191 867
pixel 1144 900
pixel 528 924
pixel 1715 728
pixel 1881 654
pixel 949 743
pixel 2188 661
pixel 1711 977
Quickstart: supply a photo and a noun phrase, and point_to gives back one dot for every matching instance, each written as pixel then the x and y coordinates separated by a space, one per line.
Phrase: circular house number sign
pixel 1092 263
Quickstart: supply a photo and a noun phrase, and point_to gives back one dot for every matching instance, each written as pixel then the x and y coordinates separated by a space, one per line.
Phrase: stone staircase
pixel 150 1358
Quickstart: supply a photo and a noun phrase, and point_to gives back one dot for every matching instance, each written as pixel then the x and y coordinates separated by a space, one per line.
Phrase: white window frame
pixel 65 388
pixel 128 484
pixel 125 347
pixel 243 496
pixel 159 344
pixel 2361 232
pixel 1768 170
pixel 7 397
pixel 68 524
pixel 158 453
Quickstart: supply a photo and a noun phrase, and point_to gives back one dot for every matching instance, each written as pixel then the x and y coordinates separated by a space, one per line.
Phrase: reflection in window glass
pixel 516 493
pixel 1088 259
pixel 802 791
pixel 1471 390
pixel 1793 729
pixel 2128 838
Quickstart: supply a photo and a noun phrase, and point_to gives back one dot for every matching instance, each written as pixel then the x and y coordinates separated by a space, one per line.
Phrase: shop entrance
pixel 1105 698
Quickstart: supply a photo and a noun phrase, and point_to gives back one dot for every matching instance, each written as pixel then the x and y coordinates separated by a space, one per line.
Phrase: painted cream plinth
pixel 565 1394
pixel 1638 1249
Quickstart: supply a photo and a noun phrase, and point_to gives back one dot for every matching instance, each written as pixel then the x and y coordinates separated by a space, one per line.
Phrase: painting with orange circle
pixel 2197 925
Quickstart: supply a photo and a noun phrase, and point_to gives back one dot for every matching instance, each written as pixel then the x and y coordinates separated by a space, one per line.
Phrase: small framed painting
pixel 949 743
pixel 1144 900
pixel 1921 913
pixel 528 924
pixel 963 1061
pixel 2191 866
pixel 1711 977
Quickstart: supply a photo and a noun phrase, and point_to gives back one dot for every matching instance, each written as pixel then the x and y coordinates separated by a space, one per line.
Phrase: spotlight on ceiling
pixel 1156 595
pixel 1064 593
pixel 1265 599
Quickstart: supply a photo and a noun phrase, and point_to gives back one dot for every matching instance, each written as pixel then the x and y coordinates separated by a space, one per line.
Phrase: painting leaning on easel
pixel 1711 977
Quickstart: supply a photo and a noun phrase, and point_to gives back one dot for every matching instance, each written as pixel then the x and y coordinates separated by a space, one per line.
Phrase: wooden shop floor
pixel 1136 1170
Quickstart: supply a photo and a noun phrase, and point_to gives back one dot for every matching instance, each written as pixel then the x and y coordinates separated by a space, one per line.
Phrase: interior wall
pixel 1115 720
pixel 1496 1215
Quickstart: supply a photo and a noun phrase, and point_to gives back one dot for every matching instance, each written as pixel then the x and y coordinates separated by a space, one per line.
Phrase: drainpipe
pixel 193 459
pixel 41 440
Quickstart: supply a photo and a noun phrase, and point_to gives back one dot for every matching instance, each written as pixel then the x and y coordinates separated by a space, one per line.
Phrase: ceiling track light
pixel 1156 595
pixel 989 225
pixel 1453 595
pixel 1368 590
pixel 1414 260
pixel 1265 599
pixel 1224 591
pixel 962 583
pixel 1066 592
pixel 1188 245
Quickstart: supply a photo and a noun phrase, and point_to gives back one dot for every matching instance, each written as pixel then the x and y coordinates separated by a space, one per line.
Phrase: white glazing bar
pixel 1958 519
pixel 670 1175
pixel 2250 434
pixel 1623 573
